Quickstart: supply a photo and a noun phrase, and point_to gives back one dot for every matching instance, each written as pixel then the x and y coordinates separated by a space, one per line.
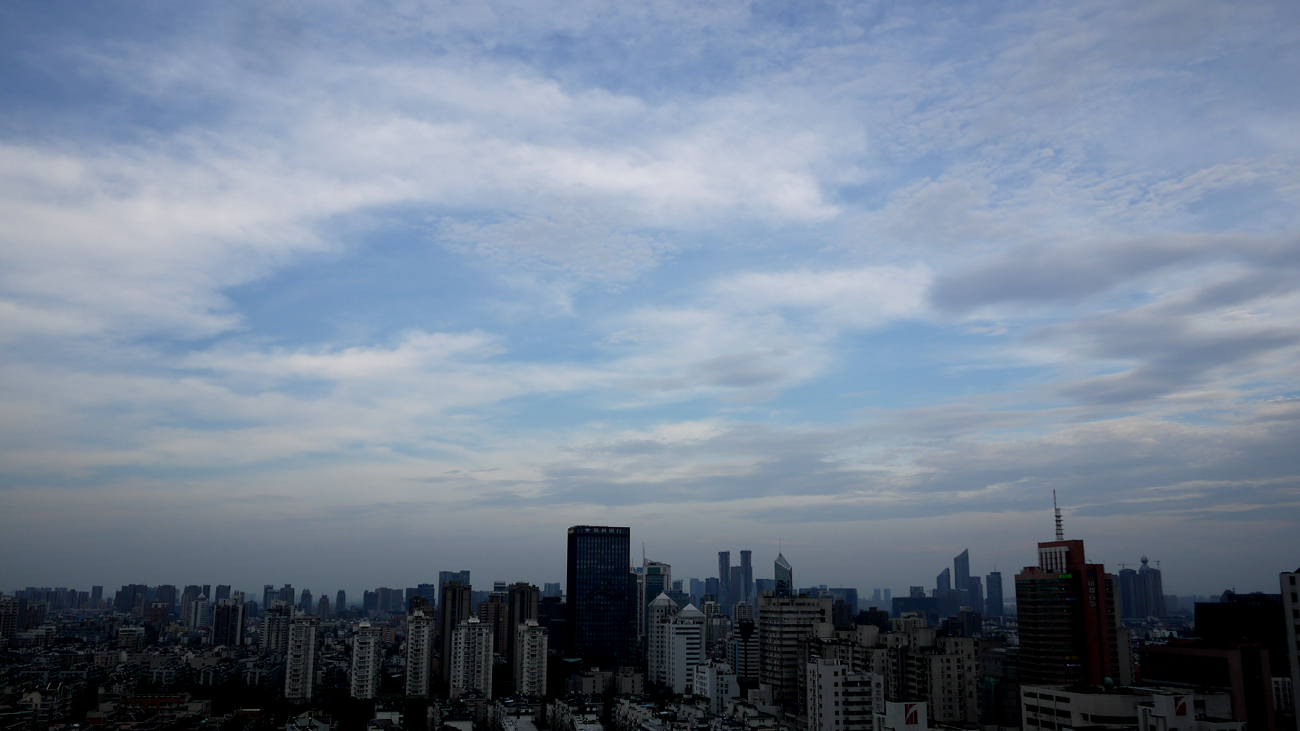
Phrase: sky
pixel 344 294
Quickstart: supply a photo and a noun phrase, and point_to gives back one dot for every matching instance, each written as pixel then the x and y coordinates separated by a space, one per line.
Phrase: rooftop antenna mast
pixel 1060 528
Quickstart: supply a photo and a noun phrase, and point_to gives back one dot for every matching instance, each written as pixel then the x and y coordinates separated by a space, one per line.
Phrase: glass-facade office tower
pixel 961 571
pixel 784 576
pixel 600 595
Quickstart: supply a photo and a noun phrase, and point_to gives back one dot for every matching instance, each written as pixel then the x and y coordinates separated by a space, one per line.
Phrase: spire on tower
pixel 1060 527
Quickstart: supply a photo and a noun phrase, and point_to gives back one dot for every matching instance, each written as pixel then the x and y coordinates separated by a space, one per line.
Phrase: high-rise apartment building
pixel 1067 618
pixel 471 659
pixel 523 599
pixel 782 622
pixel 228 623
pixel 454 609
pixel 1290 584
pixel 167 593
pixel 198 613
pixel 428 591
pixel 530 658
pixel 127 597
pixel 300 660
pixel 159 613
pixel 419 651
pixel 685 647
pixel 366 656
pixel 840 699
pixel 600 595
pixel 1141 592
pixel 8 620
pixel 495 612
pixel 661 613
pixel 274 637
pixel 268 595
pixel 462 576
pixel 993 603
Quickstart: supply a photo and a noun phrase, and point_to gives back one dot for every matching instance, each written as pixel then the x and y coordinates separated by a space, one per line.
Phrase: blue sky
pixel 345 294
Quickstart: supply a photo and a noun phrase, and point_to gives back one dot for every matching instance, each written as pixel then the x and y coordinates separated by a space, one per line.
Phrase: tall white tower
pixel 662 611
pixel 365 661
pixel 530 659
pixel 419 652
pixel 300 660
pixel 685 647
pixel 471 659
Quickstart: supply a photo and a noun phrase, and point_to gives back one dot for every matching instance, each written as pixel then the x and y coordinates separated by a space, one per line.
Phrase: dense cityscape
pixel 624 646
pixel 650 365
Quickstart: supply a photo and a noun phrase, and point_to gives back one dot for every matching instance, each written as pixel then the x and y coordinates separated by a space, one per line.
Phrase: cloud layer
pixel 856 277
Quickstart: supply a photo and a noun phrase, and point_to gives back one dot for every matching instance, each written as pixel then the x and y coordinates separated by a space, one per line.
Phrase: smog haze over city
pixel 344 294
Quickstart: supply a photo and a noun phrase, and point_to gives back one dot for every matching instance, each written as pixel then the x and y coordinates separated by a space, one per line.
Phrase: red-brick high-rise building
pixel 1067 618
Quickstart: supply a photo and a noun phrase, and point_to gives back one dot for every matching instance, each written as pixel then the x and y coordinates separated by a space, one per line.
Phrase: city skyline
pixel 331 294
pixel 486 580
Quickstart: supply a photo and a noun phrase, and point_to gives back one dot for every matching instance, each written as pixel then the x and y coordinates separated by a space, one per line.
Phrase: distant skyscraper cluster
pixel 829 657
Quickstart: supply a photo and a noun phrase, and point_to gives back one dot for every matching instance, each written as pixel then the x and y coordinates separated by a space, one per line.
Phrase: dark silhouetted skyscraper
pixel 1141 592
pixel 523 599
pixel 453 609
pixel 961 571
pixel 462 576
pixel 993 603
pixel 228 623
pixel 975 593
pixel 943 582
pixel 747 576
pixel 600 595
pixel 724 578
